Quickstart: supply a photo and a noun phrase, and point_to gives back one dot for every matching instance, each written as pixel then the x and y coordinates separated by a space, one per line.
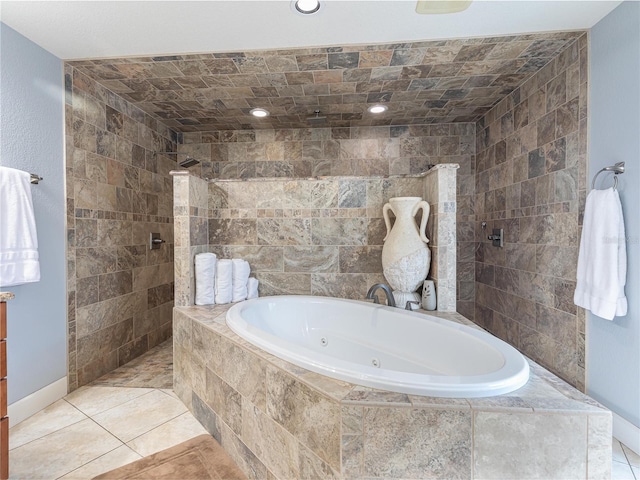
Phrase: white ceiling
pixel 98 29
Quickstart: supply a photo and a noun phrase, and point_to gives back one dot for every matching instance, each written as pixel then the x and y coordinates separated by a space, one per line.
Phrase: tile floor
pixel 626 463
pixel 121 417
pixel 129 414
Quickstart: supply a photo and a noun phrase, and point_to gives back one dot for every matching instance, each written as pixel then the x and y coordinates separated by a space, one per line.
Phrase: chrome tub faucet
pixel 387 291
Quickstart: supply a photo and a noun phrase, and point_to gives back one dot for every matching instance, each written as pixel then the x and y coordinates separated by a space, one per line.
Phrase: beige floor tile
pixel 618 453
pixel 621 471
pixel 170 392
pixel 61 452
pixel 113 459
pixel 92 400
pixel 632 457
pixel 140 415
pixel 56 416
pixel 175 431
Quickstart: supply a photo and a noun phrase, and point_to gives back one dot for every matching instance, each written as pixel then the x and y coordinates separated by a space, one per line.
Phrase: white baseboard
pixel 32 404
pixel 626 432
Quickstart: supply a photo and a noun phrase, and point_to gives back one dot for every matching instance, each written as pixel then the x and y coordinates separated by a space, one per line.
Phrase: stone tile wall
pixel 359 151
pixel 191 231
pixel 277 420
pixel 324 236
pixel 120 293
pixel 440 193
pixel 531 181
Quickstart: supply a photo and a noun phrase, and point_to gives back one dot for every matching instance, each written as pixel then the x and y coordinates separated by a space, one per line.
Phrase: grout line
pixel 86 417
pixel 90 461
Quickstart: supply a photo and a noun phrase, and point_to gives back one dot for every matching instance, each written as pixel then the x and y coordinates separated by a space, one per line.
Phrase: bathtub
pixel 381 347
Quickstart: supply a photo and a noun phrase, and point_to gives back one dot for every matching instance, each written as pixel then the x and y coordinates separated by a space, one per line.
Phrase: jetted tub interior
pixel 381 347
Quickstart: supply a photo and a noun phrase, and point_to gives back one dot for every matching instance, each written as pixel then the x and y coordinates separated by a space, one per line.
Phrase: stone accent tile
pixel 496 434
pixel 95 261
pixel 270 442
pixel 283 231
pixel 242 370
pixel 262 258
pixel 284 283
pixel 87 291
pixel 309 417
pixel 224 400
pixel 352 194
pixel 411 453
pixel 352 454
pixel 313 259
pixel 241 454
pixel 311 466
pixel 338 231
pixel 231 231
pixel 360 259
pixel 340 285
pixel 115 284
pixel 101 345
pixel 207 417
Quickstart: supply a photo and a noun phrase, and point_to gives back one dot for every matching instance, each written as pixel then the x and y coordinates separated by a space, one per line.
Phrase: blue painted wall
pixel 32 136
pixel 613 348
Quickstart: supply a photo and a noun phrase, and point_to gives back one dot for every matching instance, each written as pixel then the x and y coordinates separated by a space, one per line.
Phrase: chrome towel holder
pixel 616 169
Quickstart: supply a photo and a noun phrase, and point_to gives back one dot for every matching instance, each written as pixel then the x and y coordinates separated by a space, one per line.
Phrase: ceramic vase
pixel 405 256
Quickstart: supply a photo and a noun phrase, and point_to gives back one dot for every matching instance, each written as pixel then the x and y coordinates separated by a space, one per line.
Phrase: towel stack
pixel 240 276
pixel 223 281
pixel 206 266
pixel 19 262
pixel 602 259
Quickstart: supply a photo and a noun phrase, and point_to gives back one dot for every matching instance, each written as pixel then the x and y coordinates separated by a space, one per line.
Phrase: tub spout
pixel 387 291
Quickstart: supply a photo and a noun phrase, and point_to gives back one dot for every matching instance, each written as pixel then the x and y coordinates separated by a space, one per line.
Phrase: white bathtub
pixel 381 347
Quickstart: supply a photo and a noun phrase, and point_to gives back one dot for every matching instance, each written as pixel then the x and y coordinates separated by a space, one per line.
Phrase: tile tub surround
pixel 120 293
pixel 274 418
pixel 531 180
pixel 314 236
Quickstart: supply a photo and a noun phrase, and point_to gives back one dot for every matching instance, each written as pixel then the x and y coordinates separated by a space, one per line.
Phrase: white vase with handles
pixel 405 256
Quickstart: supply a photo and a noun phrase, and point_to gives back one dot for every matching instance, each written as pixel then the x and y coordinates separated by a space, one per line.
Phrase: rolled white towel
pixel 205 278
pixel 241 271
pixel 224 281
pixel 252 288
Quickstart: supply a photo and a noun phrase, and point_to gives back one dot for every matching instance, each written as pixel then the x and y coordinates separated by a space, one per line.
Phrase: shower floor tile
pixel 154 369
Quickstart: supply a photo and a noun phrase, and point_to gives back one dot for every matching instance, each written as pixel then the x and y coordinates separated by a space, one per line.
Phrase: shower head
pixel 188 162
pixel 316 119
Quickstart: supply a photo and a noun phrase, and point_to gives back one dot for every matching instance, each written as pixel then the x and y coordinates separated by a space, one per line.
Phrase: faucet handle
pixel 411 302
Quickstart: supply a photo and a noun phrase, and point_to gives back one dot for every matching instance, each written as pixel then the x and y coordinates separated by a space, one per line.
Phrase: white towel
pixel 241 271
pixel 252 288
pixel 18 237
pixel 602 259
pixel 224 280
pixel 205 278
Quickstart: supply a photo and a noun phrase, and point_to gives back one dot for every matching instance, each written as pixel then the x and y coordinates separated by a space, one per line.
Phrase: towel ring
pixel 616 169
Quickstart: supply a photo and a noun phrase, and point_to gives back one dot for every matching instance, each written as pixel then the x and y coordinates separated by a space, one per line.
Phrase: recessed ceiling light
pixel 259 112
pixel 306 7
pixel 378 108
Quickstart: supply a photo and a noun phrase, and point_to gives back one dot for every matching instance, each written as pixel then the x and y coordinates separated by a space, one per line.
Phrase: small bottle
pixel 429 295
